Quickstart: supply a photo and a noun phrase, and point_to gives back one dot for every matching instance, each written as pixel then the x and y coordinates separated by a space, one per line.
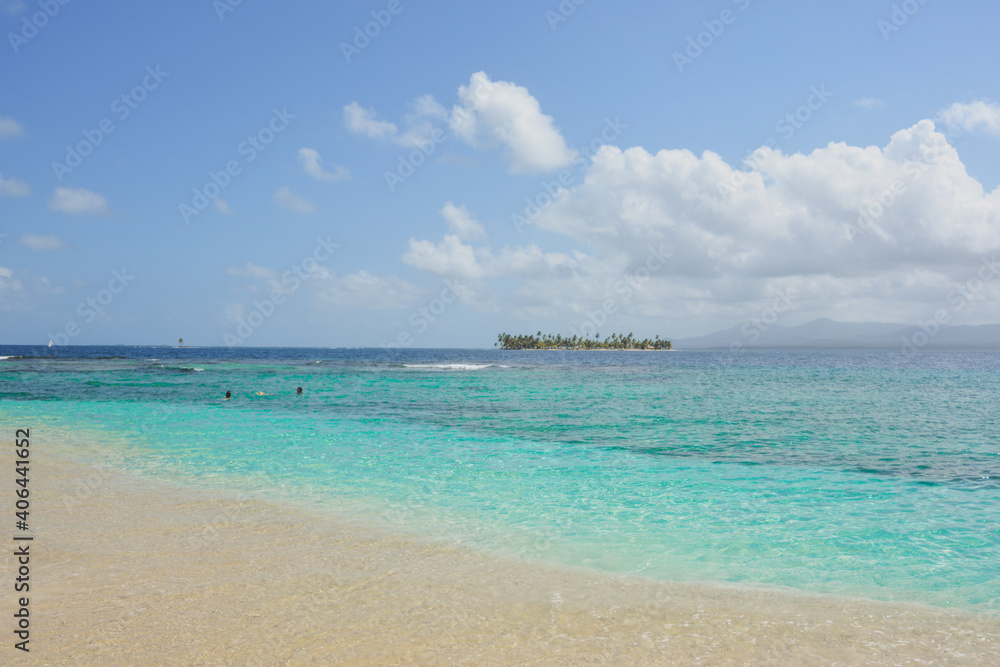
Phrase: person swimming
pixel 298 391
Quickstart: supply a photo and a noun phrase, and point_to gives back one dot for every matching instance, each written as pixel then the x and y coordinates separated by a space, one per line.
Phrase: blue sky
pixel 509 221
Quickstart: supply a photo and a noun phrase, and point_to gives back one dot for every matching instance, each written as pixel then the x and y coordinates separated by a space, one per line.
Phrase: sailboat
pixel 50 343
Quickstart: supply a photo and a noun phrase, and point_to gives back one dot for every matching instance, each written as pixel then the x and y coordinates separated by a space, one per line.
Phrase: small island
pixel 541 341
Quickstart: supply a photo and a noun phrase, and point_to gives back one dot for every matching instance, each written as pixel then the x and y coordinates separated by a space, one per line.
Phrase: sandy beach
pixel 129 570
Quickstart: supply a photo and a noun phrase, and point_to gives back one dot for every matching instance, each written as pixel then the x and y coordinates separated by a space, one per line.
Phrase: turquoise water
pixel 857 473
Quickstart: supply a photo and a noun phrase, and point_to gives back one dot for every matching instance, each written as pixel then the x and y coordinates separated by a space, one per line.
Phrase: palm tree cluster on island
pixel 542 341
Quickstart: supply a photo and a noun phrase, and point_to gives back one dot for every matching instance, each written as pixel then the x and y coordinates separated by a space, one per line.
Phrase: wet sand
pixel 128 570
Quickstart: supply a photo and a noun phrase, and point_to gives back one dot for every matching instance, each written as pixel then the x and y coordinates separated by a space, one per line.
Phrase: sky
pixel 413 174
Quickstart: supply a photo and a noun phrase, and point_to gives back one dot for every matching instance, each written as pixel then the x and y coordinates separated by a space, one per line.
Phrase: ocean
pixel 862 474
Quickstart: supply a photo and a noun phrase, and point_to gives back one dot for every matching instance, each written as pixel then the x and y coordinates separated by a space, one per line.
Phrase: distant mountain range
pixel 825 333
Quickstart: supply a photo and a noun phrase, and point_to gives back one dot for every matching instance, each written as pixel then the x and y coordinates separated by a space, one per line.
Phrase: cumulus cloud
pixel 312 164
pixel 488 114
pixel 12 187
pixel 533 263
pixel 42 242
pixel 501 113
pixel 858 232
pixel 426 106
pixel 461 222
pixel 10 128
pixel 980 117
pixel 293 202
pixel 450 258
pixel 869 225
pixel 78 201
pixel 425 115
pixel 363 121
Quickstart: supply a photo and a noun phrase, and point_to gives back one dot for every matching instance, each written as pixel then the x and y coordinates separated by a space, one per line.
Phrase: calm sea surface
pixel 858 473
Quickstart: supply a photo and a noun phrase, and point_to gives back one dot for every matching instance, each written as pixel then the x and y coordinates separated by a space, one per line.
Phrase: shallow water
pixel 852 473
pixel 129 570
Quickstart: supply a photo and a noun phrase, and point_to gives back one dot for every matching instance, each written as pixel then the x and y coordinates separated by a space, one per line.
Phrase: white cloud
pixel 531 262
pixel 42 242
pixel 449 259
pixel 426 106
pixel 362 121
pixel 293 202
pixel 488 114
pixel 222 206
pixel 10 128
pixel 461 222
pixel 787 221
pixel 12 187
pixel 492 113
pixel 869 103
pixel 425 115
pixel 312 165
pixel 722 242
pixel 78 201
pixel 975 117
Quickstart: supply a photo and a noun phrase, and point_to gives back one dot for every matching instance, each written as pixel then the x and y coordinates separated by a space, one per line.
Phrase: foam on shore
pixel 133 570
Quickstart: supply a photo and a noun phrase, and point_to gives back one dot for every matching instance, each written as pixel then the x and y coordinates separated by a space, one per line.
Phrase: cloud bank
pixel 860 233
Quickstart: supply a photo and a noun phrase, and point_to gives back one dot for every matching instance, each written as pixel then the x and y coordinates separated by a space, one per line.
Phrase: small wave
pixel 12 357
pixel 451 367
